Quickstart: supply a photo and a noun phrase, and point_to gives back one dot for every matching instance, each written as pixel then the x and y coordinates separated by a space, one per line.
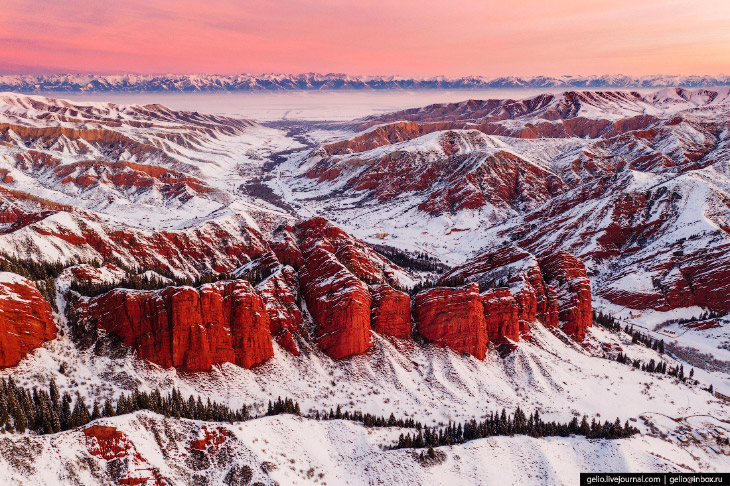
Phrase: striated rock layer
pixel 519 270
pixel 339 303
pixel 189 328
pixel 280 293
pixel 568 273
pixel 391 311
pixel 501 314
pixel 452 317
pixel 26 319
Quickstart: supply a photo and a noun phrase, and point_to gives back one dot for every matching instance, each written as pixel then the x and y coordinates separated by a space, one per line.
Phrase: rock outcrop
pixel 355 255
pixel 339 303
pixel 391 311
pixel 519 270
pixel 26 319
pixel 452 317
pixel 284 245
pixel 280 293
pixel 334 269
pixel 187 328
pixel 501 314
pixel 568 274
pixel 124 462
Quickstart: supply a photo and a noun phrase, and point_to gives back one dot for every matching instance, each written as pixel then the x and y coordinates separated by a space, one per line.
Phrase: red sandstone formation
pixel 26 319
pixel 391 311
pixel 284 245
pixel 125 175
pixel 189 328
pixel 338 302
pixel 355 255
pixel 501 314
pixel 452 317
pixel 568 273
pixel 280 293
pixel 453 180
pixel 106 442
pixel 211 439
pixel 258 268
pixel 110 444
pixel 220 246
pixel 518 269
pixel 105 273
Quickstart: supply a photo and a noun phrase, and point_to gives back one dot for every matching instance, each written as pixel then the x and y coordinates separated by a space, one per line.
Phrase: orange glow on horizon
pixel 406 37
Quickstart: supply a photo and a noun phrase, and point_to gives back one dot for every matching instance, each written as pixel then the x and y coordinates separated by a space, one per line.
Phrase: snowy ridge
pixel 313 81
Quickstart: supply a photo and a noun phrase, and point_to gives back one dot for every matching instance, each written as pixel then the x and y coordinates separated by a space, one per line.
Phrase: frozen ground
pixel 292 451
pixel 546 372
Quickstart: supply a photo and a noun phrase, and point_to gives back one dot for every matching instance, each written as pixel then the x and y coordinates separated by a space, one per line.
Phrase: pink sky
pixel 406 37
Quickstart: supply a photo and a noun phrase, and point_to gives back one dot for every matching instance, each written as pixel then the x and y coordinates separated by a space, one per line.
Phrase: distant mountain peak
pixel 315 81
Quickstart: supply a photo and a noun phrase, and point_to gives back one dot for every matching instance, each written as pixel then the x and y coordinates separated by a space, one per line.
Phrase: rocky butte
pixel 350 292
pixel 26 319
pixel 189 328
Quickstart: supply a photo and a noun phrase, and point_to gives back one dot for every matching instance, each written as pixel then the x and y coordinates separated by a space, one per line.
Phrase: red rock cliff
pixel 185 327
pixel 26 319
pixel 280 293
pixel 356 256
pixel 452 317
pixel 391 311
pixel 338 302
pixel 519 270
pixel 568 274
pixel 501 314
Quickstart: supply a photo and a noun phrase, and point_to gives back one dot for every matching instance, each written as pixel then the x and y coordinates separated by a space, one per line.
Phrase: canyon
pixel 439 262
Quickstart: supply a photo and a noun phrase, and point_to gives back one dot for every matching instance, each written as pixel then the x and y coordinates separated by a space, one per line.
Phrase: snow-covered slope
pixel 280 450
pixel 635 186
pixel 148 165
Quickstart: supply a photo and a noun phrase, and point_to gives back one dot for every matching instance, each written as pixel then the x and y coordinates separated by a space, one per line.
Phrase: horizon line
pixel 342 74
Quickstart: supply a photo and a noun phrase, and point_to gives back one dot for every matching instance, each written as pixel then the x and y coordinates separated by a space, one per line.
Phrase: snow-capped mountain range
pixel 90 83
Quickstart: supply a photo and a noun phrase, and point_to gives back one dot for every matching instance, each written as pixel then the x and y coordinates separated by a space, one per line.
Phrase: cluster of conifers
pixel 48 411
pixel 515 424
pixel 42 273
pixel 612 324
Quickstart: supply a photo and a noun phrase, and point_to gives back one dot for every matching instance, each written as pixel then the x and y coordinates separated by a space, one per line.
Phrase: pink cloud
pixel 408 37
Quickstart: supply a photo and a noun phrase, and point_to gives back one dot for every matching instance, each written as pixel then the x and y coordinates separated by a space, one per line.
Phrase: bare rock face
pixel 452 317
pixel 700 278
pixel 338 301
pixel 106 442
pixel 519 270
pixel 550 314
pixel 501 314
pixel 26 319
pixel 218 246
pixel 334 269
pixel 568 274
pixel 284 245
pixel 355 255
pixel 280 293
pixel 187 328
pixel 459 174
pixel 391 311
pixel 125 464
